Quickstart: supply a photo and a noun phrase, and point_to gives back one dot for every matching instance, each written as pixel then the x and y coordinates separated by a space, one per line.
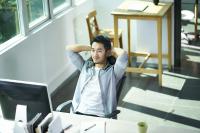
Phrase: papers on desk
pixel 43 126
pixel 133 6
pixel 93 127
pixel 32 124
pixel 57 126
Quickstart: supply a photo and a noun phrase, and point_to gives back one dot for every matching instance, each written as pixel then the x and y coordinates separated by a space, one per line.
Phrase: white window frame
pixel 42 19
pixel 67 4
pixel 78 2
pixel 25 27
pixel 22 28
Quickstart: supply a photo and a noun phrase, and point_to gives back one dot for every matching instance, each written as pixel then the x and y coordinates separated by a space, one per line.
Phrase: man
pixel 95 92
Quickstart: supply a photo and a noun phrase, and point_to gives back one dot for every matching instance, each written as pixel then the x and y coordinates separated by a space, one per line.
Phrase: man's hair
pixel 107 45
pixel 104 40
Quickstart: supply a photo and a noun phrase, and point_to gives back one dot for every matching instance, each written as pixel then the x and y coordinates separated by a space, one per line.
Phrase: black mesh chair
pixel 65 107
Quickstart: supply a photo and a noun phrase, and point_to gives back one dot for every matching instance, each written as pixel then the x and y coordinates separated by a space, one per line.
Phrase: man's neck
pixel 101 65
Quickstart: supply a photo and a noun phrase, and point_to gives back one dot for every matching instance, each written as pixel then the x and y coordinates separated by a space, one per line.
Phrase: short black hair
pixel 107 45
pixel 104 40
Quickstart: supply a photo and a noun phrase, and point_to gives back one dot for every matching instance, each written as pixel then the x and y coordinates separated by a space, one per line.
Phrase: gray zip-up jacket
pixel 108 79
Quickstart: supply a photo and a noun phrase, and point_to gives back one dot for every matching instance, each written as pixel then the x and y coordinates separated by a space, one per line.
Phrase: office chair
pixel 65 107
pixel 94 29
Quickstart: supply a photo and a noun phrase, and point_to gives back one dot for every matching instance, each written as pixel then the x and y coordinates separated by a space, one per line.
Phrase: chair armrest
pixel 120 85
pixel 66 104
pixel 113 114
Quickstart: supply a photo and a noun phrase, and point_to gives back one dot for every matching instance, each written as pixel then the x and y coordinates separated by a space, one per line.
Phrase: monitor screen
pixel 34 95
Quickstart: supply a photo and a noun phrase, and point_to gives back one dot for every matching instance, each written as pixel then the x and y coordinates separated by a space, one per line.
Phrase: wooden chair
pixel 94 29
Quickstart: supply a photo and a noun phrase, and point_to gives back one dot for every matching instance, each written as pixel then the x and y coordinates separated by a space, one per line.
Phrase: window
pixel 20 16
pixel 59 5
pixel 37 11
pixel 9 22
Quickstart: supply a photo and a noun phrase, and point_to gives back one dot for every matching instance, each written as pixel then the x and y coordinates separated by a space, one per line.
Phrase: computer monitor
pixel 34 95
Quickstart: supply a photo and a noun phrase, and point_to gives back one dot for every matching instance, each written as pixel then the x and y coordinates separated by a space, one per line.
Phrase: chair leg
pixel 120 42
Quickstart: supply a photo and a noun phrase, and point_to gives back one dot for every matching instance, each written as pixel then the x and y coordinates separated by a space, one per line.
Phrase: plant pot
pixel 156 2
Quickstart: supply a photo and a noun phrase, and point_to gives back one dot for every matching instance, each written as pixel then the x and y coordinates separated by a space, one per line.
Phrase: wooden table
pixel 151 12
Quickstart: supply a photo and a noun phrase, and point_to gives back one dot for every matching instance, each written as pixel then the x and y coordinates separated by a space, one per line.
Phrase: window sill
pixel 11 43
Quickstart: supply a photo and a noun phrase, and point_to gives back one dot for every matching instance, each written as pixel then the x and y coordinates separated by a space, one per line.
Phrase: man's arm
pixel 121 62
pixel 74 56
pixel 118 52
pixel 78 48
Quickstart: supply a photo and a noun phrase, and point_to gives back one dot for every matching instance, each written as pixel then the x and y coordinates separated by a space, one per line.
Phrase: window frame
pixel 64 6
pixel 25 28
pixel 45 17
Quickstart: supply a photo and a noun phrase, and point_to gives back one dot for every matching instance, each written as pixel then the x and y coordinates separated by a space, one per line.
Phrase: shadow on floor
pixel 163 115
pixel 191 90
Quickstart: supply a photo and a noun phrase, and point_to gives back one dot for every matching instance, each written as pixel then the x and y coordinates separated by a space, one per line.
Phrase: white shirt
pixel 91 99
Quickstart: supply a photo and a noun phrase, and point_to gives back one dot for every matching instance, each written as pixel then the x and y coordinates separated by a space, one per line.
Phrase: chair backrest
pixel 92 24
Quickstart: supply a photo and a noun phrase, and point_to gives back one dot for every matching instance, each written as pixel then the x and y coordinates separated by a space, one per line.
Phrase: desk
pixel 112 126
pixel 6 126
pixel 152 12
pixel 116 126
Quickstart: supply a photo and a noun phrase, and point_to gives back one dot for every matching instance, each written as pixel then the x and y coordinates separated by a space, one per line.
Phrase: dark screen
pixel 35 96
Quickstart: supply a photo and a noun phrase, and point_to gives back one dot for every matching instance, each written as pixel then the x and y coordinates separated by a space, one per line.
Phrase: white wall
pixel 40 57
pixel 80 25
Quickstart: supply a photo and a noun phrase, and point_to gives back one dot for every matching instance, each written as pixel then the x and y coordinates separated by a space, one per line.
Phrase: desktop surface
pixel 6 126
pixel 114 126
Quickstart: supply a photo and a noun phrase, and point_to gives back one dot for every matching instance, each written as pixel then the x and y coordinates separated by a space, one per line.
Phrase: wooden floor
pixel 177 103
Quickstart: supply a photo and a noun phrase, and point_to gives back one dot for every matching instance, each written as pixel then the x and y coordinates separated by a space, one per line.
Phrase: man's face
pixel 99 53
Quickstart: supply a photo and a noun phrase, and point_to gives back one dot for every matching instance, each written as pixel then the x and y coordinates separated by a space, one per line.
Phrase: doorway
pixel 184 20
pixel 189 23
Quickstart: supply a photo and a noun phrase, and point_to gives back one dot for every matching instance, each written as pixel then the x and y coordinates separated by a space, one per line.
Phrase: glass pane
pixel 57 3
pixel 9 22
pixel 35 9
pixel 60 5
